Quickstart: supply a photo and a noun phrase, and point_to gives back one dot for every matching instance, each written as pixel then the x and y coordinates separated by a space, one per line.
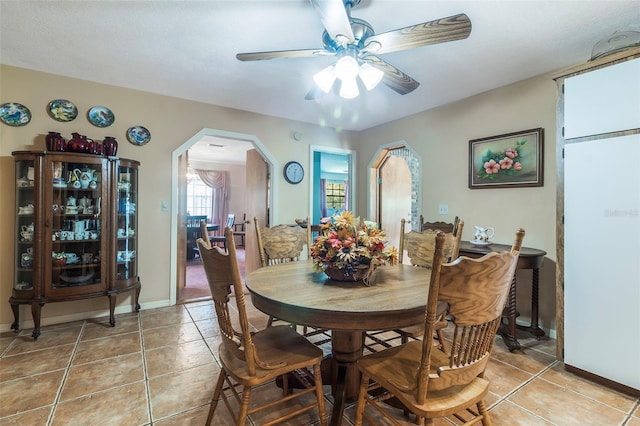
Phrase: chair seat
pixel 273 345
pixel 396 368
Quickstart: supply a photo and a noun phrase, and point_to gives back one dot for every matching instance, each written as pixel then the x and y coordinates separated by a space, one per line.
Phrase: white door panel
pixel 602 258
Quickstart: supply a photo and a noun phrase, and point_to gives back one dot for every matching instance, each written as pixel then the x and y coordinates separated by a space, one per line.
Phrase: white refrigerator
pixel 602 258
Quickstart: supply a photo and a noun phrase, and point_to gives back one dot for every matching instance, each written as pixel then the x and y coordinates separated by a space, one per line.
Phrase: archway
pixel 414 163
pixel 176 159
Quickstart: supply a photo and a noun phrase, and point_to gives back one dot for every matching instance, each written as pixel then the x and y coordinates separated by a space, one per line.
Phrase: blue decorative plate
pixel 62 110
pixel 138 135
pixel 15 114
pixel 100 116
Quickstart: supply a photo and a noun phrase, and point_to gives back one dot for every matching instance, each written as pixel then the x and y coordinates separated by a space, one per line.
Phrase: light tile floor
pixel 159 367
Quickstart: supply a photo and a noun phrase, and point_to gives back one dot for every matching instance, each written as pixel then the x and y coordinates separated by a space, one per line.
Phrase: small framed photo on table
pixel 507 161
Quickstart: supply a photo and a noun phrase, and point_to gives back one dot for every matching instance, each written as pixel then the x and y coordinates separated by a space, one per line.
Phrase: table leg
pixel 534 328
pixel 346 347
pixel 508 333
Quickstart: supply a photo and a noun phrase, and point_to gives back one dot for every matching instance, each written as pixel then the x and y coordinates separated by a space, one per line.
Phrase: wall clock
pixel 293 172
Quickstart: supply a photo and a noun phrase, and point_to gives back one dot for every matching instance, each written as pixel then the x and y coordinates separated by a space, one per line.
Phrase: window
pixel 335 196
pixel 199 196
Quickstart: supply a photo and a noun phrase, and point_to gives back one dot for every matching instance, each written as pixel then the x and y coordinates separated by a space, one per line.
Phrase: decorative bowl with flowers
pixel 349 249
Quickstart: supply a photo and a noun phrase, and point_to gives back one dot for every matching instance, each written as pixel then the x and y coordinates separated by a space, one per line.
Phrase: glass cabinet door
pixel 75 209
pixel 25 226
pixel 126 222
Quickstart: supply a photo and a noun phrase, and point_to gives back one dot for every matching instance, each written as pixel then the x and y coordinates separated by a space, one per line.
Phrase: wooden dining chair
pixel 278 244
pixel 430 383
pixel 420 248
pixel 282 244
pixel 250 359
pixel 214 239
pixel 204 234
pixel 439 225
pixel 239 229
pixel 192 224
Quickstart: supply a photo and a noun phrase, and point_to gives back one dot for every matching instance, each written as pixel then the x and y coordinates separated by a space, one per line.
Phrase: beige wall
pixel 439 135
pixel 171 122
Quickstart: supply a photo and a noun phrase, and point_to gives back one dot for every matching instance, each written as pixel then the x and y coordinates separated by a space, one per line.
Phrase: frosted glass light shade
pixel 347 68
pixel 370 76
pixel 325 78
pixel 349 88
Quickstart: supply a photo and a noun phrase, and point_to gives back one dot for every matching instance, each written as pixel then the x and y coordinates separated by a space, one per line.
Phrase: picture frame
pixel 511 160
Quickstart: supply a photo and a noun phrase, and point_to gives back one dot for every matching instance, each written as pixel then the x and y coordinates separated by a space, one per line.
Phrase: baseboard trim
pixel 603 381
pixel 27 323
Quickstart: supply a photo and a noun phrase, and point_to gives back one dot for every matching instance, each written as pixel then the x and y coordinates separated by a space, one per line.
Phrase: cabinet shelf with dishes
pixel 67 244
pixel 125 220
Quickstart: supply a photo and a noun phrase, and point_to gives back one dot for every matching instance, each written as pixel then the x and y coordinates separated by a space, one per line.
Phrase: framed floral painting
pixel 507 161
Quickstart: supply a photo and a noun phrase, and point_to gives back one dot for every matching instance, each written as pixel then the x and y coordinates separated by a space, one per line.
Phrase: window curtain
pixel 323 197
pixel 218 182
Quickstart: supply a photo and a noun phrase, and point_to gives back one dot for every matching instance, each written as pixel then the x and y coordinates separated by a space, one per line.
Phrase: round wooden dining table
pixel 395 297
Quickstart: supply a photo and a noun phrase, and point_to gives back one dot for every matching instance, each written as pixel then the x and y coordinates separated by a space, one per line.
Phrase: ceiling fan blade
pixel 455 27
pixel 335 19
pixel 282 54
pixel 393 77
pixel 314 93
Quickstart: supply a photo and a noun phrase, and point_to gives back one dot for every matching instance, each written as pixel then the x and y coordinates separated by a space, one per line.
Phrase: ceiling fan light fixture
pixel 370 76
pixel 347 68
pixel 325 78
pixel 349 88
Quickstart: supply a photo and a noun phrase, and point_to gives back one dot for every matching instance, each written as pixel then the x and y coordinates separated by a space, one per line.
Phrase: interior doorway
pixel 178 202
pixel 333 166
pixel 395 182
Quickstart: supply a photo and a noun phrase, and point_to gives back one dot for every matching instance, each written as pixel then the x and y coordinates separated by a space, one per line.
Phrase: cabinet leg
pixel 137 296
pixel 16 317
pixel 36 309
pixel 112 308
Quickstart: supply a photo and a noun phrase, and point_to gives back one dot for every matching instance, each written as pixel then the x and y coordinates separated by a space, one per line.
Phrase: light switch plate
pixel 443 209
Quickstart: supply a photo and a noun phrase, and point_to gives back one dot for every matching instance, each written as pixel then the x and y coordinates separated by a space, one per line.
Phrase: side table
pixel 530 258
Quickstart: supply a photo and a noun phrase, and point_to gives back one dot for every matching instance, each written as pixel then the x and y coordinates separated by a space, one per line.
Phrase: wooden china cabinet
pixel 76 230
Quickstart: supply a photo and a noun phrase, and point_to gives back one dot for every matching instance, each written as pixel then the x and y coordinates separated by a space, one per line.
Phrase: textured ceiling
pixel 187 49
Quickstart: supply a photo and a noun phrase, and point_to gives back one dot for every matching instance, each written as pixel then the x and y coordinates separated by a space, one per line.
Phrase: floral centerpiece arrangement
pixel 349 249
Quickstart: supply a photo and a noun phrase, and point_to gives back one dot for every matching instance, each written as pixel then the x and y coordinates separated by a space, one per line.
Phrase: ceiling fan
pixel 356 45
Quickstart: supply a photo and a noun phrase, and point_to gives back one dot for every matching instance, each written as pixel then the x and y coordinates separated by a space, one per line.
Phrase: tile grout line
pixel 147 385
pixel 633 410
pixel 54 405
pixel 523 384
pixel 195 323
pixel 597 401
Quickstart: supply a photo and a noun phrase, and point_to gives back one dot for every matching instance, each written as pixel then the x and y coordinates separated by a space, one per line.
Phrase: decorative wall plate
pixel 138 135
pixel 100 116
pixel 62 110
pixel 15 114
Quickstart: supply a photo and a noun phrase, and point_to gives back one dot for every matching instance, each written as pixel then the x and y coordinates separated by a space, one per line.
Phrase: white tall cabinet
pixel 599 219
